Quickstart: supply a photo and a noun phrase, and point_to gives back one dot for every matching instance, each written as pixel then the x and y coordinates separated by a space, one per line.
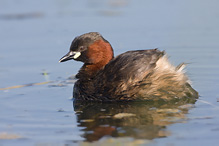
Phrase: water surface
pixel 36 34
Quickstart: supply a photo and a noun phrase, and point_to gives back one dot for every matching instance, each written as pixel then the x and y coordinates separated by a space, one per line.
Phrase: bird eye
pixel 81 48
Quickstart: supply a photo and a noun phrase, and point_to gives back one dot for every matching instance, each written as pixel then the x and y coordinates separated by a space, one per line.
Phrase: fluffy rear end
pixel 167 82
pixel 164 69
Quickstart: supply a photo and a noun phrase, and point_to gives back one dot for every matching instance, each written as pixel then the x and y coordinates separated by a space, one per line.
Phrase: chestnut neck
pixel 99 54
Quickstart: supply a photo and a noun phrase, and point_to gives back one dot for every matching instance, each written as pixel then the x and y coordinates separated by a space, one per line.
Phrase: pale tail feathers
pixel 181 67
pixel 164 67
pixel 168 82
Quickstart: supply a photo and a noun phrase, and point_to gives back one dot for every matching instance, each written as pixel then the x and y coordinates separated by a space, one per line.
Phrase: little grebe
pixel 133 75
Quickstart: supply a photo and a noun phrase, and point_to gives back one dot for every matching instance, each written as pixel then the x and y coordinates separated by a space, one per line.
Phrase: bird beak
pixel 70 55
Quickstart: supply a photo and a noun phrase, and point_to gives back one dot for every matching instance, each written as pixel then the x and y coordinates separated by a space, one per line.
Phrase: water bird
pixel 133 75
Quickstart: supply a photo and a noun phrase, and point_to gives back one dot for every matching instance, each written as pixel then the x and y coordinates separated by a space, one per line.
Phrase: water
pixel 36 34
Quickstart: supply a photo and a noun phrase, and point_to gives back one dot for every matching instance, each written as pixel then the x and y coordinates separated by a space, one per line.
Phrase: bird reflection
pixel 140 120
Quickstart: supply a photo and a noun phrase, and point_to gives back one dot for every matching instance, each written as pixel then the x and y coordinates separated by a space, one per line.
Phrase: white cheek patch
pixel 77 54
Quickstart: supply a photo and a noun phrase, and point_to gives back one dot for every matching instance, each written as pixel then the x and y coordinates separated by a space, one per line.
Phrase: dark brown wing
pixel 125 71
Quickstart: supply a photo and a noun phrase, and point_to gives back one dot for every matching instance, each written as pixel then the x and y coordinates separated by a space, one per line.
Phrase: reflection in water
pixel 141 120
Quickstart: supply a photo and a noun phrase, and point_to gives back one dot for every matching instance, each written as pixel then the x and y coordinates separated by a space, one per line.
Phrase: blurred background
pixel 34 35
